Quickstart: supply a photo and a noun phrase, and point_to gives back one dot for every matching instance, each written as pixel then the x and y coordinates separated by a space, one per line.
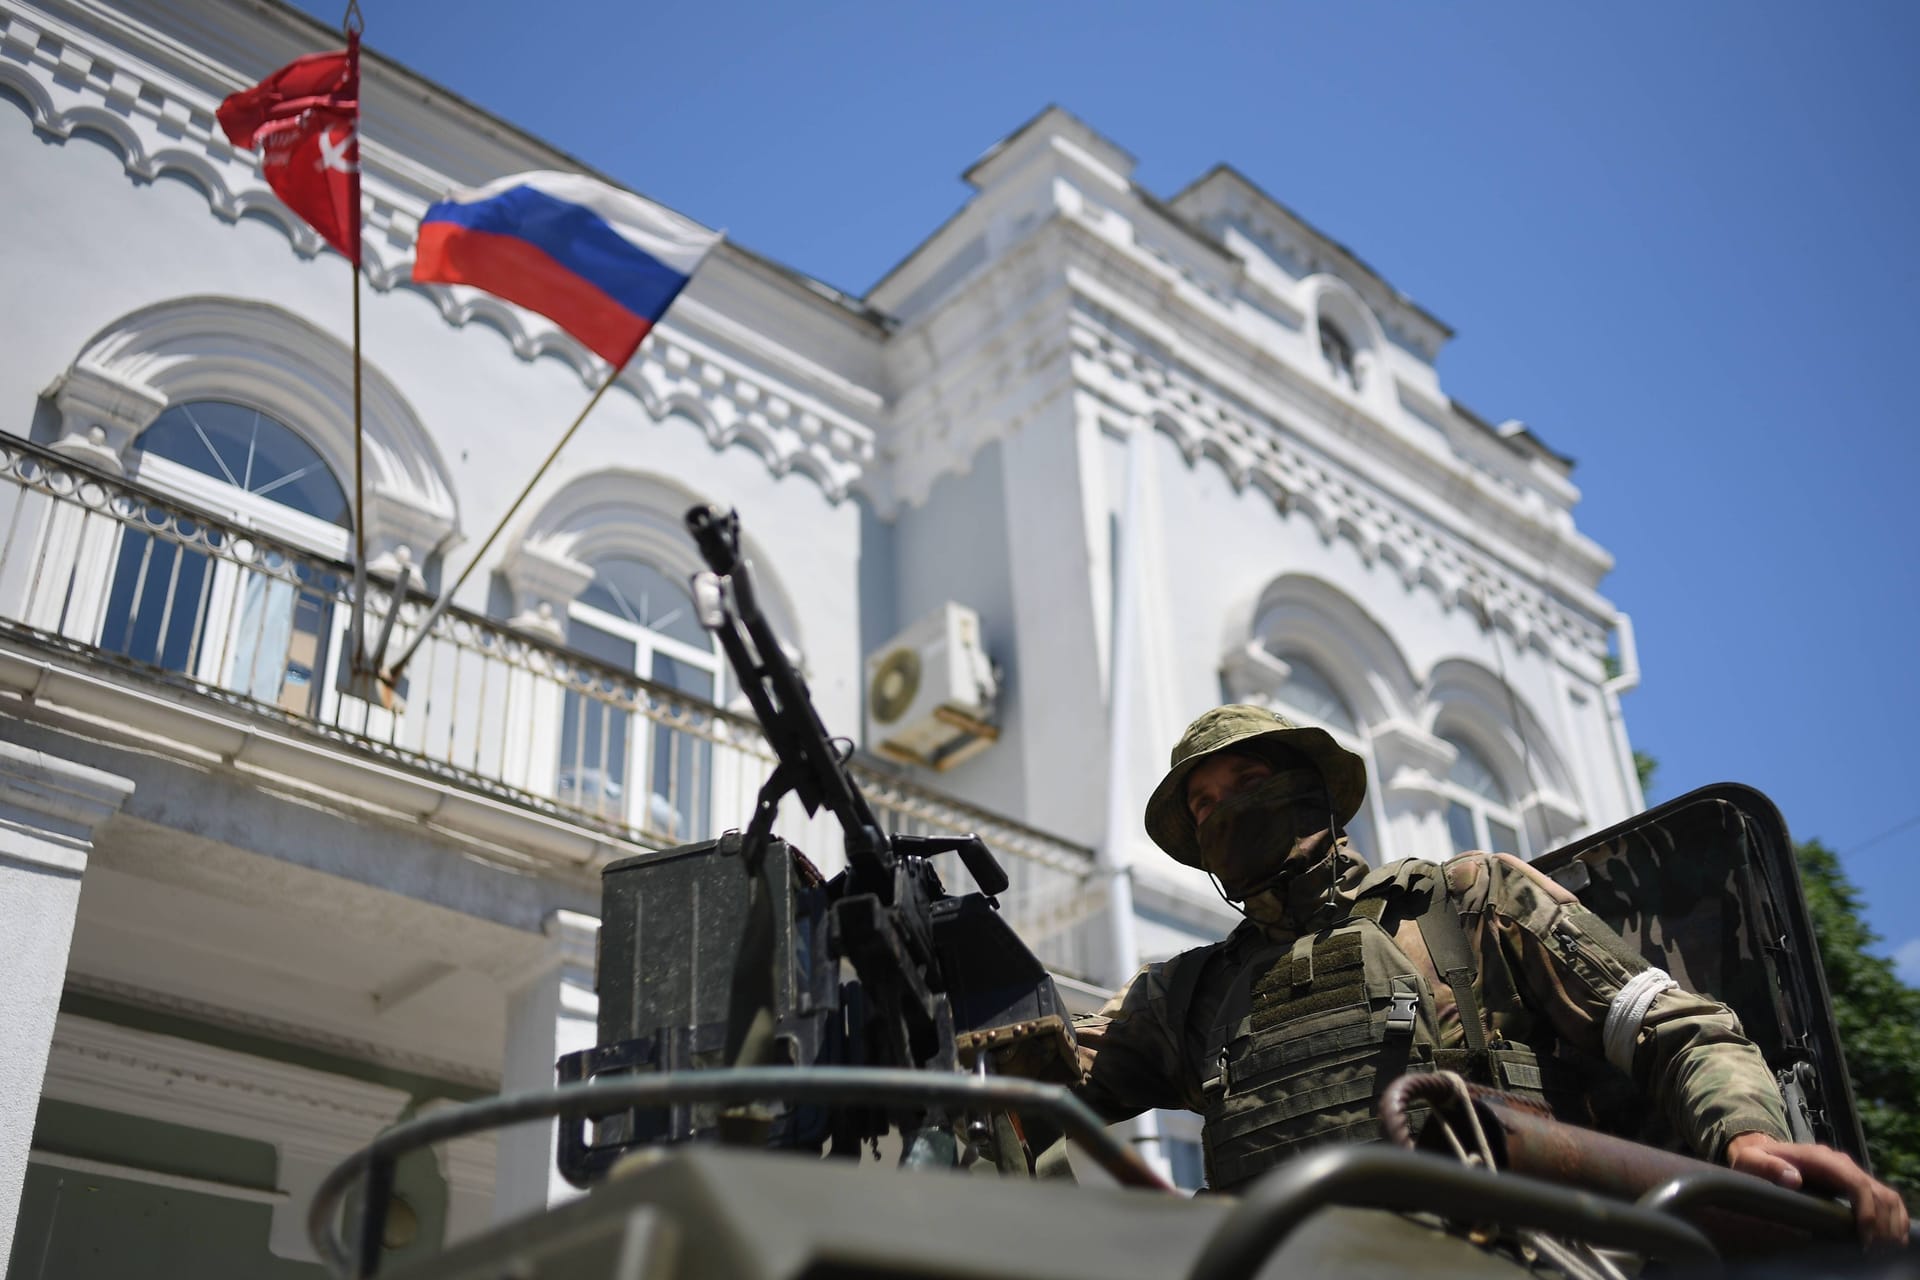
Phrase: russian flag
pixel 601 263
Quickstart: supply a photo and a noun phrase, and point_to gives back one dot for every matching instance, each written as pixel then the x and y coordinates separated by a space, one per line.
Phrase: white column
pixel 553 1013
pixel 49 810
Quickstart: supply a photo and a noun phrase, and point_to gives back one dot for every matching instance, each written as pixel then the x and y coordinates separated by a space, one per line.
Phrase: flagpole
pixel 392 676
pixel 352 24
pixel 357 641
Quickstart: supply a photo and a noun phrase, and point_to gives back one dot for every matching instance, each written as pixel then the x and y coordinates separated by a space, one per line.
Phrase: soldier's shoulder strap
pixel 1438 917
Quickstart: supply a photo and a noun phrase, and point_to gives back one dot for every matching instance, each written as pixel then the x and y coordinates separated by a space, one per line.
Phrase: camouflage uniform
pixel 1546 973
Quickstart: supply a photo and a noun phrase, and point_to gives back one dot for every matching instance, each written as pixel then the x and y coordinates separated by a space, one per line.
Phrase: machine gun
pixel 935 977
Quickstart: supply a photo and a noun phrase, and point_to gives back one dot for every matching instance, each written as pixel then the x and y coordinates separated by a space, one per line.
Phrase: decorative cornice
pixel 1551 814
pixel 160 126
pixel 458 1073
pixel 185 1082
pixel 467 1163
pixel 574 938
pixel 1303 249
pixel 56 805
pixel 1252 674
pixel 1160 321
pixel 1204 423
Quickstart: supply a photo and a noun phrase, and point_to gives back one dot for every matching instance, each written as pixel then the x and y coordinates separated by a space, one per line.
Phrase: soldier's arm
pixel 1684 1051
pixel 1130 1051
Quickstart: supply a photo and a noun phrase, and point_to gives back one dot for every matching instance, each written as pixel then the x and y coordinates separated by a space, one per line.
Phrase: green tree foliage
pixel 1879 1021
pixel 1646 766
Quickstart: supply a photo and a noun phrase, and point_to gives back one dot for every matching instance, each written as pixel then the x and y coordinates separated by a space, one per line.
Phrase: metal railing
pixel 172 594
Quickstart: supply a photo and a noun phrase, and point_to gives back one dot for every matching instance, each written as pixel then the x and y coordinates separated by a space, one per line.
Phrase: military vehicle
pixel 764 1030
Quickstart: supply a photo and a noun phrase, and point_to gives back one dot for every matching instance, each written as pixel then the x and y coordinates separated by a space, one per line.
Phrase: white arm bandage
pixel 1628 1011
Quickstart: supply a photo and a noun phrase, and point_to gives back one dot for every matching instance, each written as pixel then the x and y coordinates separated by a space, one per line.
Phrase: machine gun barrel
pixel 810 764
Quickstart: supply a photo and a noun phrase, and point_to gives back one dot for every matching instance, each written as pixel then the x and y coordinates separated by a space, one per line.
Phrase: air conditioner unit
pixel 932 693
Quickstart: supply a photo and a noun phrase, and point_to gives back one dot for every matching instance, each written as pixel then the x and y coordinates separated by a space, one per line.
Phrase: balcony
pixel 107 579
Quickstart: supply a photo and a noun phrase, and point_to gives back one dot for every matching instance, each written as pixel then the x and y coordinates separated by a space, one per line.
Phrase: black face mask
pixel 1268 833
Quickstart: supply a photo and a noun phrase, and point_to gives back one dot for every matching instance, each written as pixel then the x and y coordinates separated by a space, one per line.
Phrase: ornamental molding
pixel 1219 373
pixel 293 1033
pixel 1252 674
pixel 56 800
pixel 573 940
pixel 614 511
pixel 261 355
pixel 1227 198
pixel 1137 387
pixel 161 127
pixel 312 1119
pixel 98 1064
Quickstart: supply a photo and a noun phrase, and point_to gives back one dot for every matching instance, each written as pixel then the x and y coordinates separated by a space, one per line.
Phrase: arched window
pixel 260 625
pixel 1308 696
pixel 246 450
pixel 1337 349
pixel 635 618
pixel 1480 812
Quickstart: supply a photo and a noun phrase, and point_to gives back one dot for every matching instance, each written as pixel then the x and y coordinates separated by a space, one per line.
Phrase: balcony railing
pixel 171 594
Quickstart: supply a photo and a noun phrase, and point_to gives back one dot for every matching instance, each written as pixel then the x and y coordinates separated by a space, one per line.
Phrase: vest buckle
pixel 1400 1013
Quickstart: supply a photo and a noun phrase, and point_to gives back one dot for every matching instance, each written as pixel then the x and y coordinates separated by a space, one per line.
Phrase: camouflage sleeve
pixel 1689 1055
pixel 1130 1050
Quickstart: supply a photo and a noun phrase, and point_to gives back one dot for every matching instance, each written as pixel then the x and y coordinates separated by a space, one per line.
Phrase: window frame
pixel 1483 810
pixel 635 806
pixel 1357 740
pixel 1340 353
pixel 223 660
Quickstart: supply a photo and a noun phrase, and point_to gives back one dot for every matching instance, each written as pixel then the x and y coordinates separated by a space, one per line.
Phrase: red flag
pixel 304 120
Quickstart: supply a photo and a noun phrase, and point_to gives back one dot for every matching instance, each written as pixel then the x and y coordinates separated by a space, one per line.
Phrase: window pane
pixel 307 653
pixel 640 593
pixel 593 733
pixel 1309 692
pixel 248 450
pixel 1460 827
pixel 152 612
pixel 602 646
pixel 1502 837
pixel 682 763
pixel 1471 770
pixel 593 755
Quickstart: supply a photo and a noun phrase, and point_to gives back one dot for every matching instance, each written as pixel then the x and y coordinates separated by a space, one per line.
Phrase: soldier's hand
pixel 1877 1208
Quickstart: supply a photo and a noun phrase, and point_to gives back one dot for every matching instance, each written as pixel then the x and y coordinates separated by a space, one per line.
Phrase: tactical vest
pixel 1310 1033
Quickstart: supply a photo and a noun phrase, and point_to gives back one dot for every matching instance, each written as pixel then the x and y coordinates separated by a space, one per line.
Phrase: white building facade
pixel 1168 453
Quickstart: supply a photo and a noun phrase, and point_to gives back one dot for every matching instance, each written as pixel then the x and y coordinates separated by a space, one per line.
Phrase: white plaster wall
pixel 954 546
pixel 49 810
pixel 36 927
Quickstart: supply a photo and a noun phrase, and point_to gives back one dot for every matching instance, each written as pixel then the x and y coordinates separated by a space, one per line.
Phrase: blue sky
pixel 1677 240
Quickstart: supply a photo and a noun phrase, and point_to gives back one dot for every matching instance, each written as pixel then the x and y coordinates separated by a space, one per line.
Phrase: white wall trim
pixel 57 804
pixel 111 1068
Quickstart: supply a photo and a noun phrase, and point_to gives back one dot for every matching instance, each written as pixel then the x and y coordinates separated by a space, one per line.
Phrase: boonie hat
pixel 1168 821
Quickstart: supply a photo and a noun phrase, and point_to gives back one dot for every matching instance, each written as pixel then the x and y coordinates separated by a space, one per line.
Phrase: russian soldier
pixel 1341 977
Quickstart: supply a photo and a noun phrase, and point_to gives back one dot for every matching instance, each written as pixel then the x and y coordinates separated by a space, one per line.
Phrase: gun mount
pixel 738 953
